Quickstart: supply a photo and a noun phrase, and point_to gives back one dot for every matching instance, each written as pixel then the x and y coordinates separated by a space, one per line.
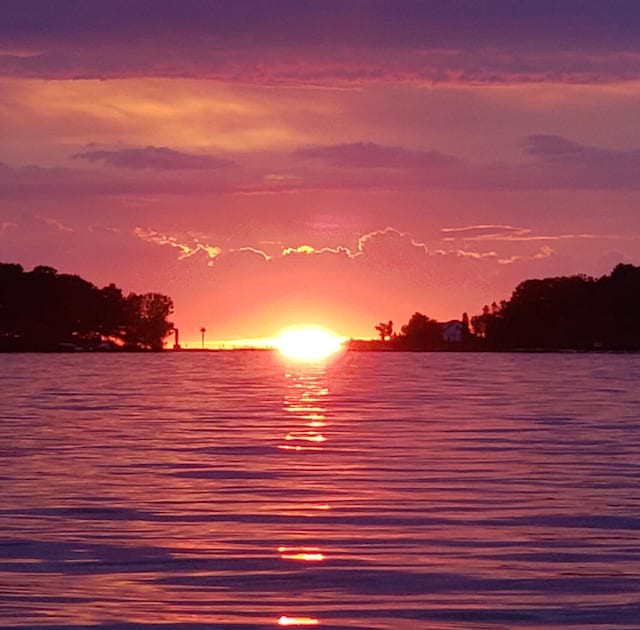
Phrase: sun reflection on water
pixel 297 621
pixel 298 447
pixel 305 406
pixel 305 554
pixel 304 400
pixel 309 436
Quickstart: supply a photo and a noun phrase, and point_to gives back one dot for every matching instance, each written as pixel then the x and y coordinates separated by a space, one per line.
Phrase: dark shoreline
pixel 169 351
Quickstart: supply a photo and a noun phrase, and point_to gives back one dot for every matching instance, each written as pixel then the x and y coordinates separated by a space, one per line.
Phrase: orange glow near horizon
pixel 308 343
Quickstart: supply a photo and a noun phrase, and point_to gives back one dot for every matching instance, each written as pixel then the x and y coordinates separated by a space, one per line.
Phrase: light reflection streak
pixel 304 554
pixel 310 408
pixel 306 391
pixel 304 402
pixel 304 557
pixel 310 436
pixel 297 447
pixel 297 621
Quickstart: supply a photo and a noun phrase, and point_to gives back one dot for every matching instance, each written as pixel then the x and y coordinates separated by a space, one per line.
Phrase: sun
pixel 308 343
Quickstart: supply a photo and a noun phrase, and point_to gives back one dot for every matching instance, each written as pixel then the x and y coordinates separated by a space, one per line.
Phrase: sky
pixel 268 163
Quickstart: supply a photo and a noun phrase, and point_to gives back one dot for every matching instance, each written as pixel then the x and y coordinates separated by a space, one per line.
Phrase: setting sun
pixel 308 343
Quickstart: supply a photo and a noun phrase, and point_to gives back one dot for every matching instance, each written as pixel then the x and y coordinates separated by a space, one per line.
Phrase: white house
pixel 452 331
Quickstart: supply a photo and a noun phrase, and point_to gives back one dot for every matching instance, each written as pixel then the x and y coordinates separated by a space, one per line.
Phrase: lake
pixel 393 491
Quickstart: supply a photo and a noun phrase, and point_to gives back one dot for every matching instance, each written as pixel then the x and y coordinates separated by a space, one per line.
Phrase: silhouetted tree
pixel 44 310
pixel 566 312
pixel 618 308
pixel 481 323
pixel 146 320
pixel 420 333
pixel 385 330
pixel 466 331
pixel 575 312
pixel 11 299
pixel 113 313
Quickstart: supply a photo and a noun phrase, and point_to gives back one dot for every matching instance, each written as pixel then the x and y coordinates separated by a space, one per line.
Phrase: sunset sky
pixel 336 162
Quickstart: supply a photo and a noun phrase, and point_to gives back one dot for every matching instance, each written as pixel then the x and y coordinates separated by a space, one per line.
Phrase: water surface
pixel 388 491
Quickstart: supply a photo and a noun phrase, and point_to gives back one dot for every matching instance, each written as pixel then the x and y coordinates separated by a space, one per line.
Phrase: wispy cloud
pixel 251 250
pixel 61 227
pixel 154 158
pixel 514 233
pixel 309 249
pixel 389 246
pixel 547 146
pixel 372 155
pixel 186 249
pixel 564 163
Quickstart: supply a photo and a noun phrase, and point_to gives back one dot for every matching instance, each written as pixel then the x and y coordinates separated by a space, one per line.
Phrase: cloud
pixel 324 43
pixel 306 250
pixel 28 182
pixel 389 23
pixel 387 243
pixel 155 158
pixel 379 243
pixel 543 252
pixel 549 147
pixel 519 234
pixel 556 149
pixel 251 251
pixel 495 233
pixel 559 163
pixel 389 238
pixel 555 163
pixel 325 68
pixel 61 227
pixel 372 155
pixel 300 249
pixel 482 232
pixel 186 249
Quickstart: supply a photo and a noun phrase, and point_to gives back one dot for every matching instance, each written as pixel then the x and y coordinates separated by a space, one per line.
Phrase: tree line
pixel 43 310
pixel 562 313
pixel 575 312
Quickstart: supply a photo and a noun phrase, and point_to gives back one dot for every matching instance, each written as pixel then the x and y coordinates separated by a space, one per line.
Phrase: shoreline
pixel 171 351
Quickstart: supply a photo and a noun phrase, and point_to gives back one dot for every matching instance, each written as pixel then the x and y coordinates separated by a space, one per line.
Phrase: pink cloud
pixel 154 158
pixel 341 66
pixel 513 233
pixel 556 164
pixel 372 155
pixel 596 163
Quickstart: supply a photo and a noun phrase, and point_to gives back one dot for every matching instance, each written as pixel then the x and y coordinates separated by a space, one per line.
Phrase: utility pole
pixel 202 331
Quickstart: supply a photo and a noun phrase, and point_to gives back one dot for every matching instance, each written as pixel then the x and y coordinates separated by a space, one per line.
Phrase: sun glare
pixel 308 343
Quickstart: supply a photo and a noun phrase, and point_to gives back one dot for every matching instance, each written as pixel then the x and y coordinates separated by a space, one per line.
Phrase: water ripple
pixel 386 491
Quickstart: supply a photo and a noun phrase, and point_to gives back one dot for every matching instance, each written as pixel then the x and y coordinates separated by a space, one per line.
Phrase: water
pixel 386 491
